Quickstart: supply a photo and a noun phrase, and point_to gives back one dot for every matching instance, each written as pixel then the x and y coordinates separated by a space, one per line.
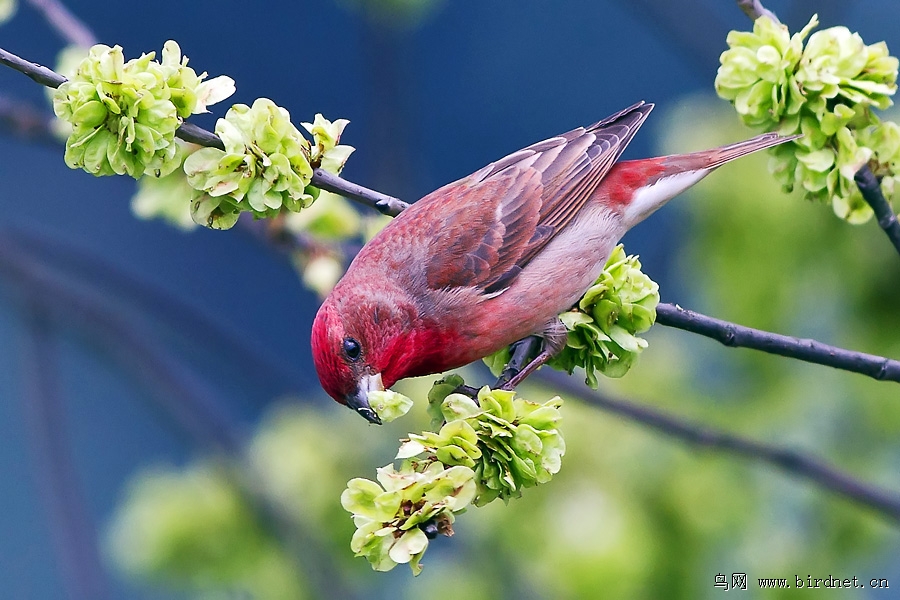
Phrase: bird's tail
pixel 666 177
pixel 719 156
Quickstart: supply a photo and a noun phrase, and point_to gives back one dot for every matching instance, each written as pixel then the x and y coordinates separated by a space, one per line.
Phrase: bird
pixel 495 257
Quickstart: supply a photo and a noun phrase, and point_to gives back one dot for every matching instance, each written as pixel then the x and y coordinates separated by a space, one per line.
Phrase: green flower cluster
pixel 393 515
pixel 757 73
pixel 603 327
pixel 486 449
pixel 266 162
pixel 825 91
pixel 510 443
pixel 124 114
pixel 67 62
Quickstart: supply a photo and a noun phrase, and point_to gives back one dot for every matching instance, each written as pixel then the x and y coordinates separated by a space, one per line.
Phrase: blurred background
pixel 162 432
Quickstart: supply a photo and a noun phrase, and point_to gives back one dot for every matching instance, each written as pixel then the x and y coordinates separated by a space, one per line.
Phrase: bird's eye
pixel 352 349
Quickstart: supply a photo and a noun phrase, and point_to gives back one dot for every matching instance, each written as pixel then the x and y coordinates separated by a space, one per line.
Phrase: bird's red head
pixel 360 345
pixel 342 361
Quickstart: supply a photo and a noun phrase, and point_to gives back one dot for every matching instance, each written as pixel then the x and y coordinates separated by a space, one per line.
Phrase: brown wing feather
pixel 526 197
pixel 482 246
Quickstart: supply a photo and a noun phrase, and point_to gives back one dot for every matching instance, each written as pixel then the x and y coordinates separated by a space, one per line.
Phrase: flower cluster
pixel 122 117
pixel 510 443
pixel 603 327
pixel 825 91
pixel 488 448
pixel 266 166
pixel 396 516
pixel 124 114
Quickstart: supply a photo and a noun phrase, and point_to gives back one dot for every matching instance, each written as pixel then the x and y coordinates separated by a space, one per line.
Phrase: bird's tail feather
pixel 719 156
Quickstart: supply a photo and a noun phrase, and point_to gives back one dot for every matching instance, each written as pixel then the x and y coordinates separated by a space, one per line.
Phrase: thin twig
pixel 197 135
pixel 34 71
pixel 790 461
pixel 521 353
pixel 870 188
pixel 71 526
pixel 738 336
pixel 754 9
pixel 387 205
pixel 67 25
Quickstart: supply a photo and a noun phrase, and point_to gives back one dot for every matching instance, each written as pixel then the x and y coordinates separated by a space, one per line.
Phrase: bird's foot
pixel 522 353
pixel 530 368
pixel 528 354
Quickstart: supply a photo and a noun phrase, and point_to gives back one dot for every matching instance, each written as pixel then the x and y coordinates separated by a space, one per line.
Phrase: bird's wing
pixel 524 200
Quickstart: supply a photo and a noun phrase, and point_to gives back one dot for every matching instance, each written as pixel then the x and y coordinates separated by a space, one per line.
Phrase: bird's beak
pixel 360 400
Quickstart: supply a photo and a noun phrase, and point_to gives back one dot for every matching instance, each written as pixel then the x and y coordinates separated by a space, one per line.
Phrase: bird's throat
pixel 424 351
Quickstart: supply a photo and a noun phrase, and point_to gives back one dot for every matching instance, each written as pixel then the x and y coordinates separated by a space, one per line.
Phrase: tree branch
pixel 738 336
pixel 754 9
pixel 25 121
pixel 870 188
pixel 38 73
pixel 387 205
pixel 790 461
pixel 197 135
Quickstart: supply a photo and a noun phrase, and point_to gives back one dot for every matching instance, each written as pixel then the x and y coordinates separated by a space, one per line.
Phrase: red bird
pixel 495 257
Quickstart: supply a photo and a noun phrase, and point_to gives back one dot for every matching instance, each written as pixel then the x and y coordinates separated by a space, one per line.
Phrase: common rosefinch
pixel 495 257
